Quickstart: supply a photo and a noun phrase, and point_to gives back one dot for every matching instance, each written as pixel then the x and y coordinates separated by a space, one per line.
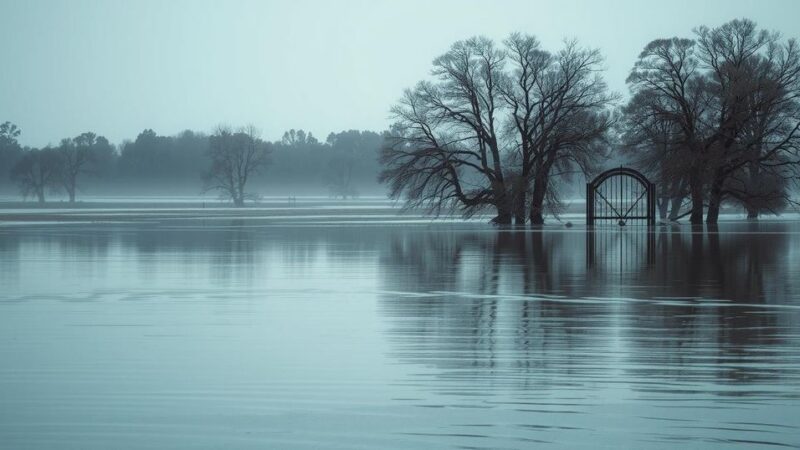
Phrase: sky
pixel 118 67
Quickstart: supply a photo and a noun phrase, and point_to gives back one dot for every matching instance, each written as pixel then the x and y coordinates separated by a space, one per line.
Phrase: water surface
pixel 337 332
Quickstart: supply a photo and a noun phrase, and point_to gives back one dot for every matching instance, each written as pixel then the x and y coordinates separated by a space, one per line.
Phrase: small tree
pixel 235 157
pixel 75 155
pixel 36 171
pixel 10 150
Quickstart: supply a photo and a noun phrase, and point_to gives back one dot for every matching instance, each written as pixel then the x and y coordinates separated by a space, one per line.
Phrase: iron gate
pixel 620 196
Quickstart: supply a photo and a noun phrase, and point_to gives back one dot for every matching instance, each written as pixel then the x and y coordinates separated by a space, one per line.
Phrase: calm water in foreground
pixel 339 333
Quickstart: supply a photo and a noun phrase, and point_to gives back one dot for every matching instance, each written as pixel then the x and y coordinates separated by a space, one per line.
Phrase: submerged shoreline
pixel 274 209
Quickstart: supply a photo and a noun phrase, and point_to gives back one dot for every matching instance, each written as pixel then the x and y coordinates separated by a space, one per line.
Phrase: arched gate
pixel 621 195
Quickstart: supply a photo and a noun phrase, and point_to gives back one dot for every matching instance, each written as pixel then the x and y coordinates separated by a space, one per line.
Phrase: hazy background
pixel 117 67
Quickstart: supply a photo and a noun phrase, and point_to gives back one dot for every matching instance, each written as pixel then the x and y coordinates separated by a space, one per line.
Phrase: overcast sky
pixel 118 67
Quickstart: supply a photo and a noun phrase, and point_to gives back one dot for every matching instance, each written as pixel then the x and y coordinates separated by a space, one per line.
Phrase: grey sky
pixel 117 67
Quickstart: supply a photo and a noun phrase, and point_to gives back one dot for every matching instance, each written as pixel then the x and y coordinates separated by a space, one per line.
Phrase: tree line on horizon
pixel 343 166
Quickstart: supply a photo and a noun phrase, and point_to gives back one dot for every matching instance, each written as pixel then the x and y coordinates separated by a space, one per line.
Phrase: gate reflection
pixel 620 248
pixel 540 310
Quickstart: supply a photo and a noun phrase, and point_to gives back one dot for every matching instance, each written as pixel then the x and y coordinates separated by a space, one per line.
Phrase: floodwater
pixel 330 332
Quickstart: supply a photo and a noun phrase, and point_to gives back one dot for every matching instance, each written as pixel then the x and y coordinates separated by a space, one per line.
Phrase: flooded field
pixel 361 329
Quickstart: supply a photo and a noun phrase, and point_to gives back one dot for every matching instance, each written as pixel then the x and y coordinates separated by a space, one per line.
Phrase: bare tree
pixel 235 157
pixel 559 107
pixel 769 145
pixel 445 152
pixel 658 148
pixel 35 172
pixel 728 102
pixel 669 92
pixel 74 157
pixel 754 86
pixel 494 125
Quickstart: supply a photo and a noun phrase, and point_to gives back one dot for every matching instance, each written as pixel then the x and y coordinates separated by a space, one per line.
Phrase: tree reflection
pixel 552 307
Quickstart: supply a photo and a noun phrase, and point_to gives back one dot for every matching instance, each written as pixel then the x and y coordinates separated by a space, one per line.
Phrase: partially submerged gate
pixel 620 196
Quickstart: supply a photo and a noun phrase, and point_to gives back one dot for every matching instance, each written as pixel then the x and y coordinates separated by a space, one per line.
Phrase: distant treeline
pixel 344 165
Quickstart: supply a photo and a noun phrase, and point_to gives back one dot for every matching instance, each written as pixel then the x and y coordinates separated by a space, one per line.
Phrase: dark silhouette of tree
pixel 353 161
pixel 655 145
pixel 445 151
pixel 235 157
pixel 102 159
pixel 10 150
pixel 559 110
pixel 36 171
pixel 75 155
pixel 754 86
pixel 495 124
pixel 143 157
pixel 298 138
pixel 719 115
pixel 664 116
pixel 164 162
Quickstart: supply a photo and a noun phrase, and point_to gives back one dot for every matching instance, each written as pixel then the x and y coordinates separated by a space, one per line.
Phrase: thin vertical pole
pixel 589 204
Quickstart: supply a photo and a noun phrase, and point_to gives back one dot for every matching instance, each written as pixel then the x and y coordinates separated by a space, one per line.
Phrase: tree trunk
pixel 537 201
pixel 537 207
pixel 663 207
pixel 696 187
pixel 503 217
pixel 40 195
pixel 753 170
pixel 675 207
pixel 71 191
pixel 519 201
pixel 714 201
pixel 502 203
pixel 238 195
pixel 712 216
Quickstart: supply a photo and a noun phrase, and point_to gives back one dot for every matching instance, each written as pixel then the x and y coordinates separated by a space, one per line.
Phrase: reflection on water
pixel 399 336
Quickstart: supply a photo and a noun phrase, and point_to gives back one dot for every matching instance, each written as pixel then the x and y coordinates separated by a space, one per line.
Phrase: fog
pixel 117 68
pixel 399 224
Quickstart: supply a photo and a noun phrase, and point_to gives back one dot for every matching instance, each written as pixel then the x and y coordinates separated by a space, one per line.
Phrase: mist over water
pixel 306 225
pixel 286 333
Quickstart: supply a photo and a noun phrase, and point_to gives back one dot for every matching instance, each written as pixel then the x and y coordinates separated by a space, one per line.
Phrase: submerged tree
pixel 559 108
pixel 235 157
pixel 655 147
pixel 728 105
pixel 663 119
pixel 36 171
pixel 755 87
pixel 496 124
